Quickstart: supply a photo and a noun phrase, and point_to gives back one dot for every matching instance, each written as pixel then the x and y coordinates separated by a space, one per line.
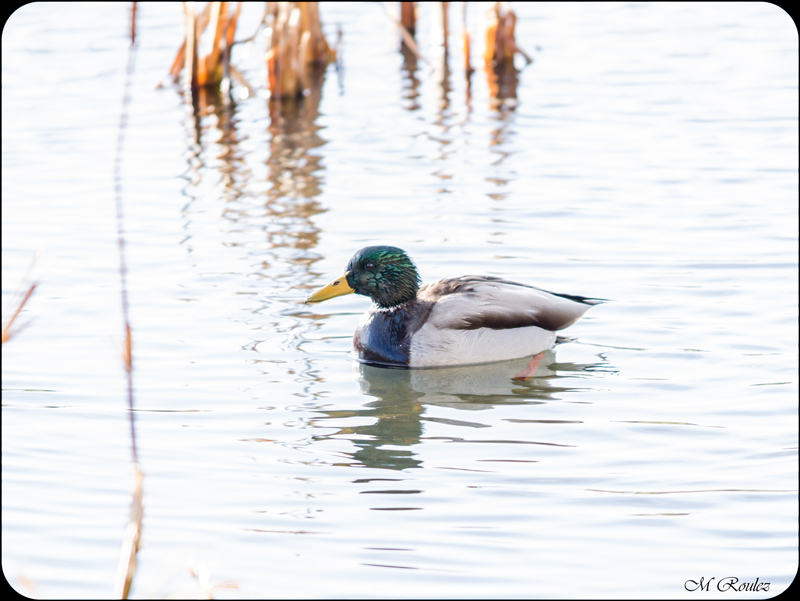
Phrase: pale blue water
pixel 651 160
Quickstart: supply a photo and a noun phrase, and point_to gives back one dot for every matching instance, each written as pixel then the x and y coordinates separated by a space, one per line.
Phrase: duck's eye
pixel 370 266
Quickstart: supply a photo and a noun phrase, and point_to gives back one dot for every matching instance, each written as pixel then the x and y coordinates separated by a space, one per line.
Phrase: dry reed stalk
pixel 408 38
pixel 319 52
pixel 501 47
pixel 123 122
pixel 467 43
pixel 193 25
pixel 296 43
pixel 133 23
pixel 408 16
pixel 467 39
pixel 127 352
pixel 492 23
pixel 445 25
pixel 500 43
pixel 7 332
pixel 126 567
pixel 217 62
pixel 190 44
pixel 130 544
pixel 209 69
pixel 290 75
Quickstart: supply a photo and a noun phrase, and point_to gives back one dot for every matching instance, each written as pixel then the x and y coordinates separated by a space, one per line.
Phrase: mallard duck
pixel 457 321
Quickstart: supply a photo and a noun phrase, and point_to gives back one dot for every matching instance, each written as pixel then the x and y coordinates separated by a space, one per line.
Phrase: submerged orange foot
pixel 530 369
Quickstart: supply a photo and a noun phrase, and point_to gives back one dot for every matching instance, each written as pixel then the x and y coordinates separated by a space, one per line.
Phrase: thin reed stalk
pixel 445 25
pixel 8 333
pixel 407 35
pixel 467 42
pixel 123 271
pixel 126 567
pixel 130 544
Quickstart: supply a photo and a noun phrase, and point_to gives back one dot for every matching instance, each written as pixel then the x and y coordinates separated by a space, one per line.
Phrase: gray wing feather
pixel 473 302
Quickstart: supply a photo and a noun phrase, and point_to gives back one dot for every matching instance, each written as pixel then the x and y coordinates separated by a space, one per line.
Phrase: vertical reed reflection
pixel 411 84
pixel 502 79
pixel 293 167
pixel 443 65
pixel 271 220
pixel 213 110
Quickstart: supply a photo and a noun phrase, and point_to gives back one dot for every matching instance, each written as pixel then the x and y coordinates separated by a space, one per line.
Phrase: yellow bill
pixel 337 287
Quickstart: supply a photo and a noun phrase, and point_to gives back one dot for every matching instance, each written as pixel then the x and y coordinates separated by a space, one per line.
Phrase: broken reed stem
pixel 501 46
pixel 126 567
pixel 296 41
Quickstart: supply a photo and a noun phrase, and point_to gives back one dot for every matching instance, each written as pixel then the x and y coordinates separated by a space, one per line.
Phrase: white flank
pixel 431 346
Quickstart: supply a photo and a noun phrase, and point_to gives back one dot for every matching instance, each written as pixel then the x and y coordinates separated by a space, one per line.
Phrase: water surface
pixel 650 159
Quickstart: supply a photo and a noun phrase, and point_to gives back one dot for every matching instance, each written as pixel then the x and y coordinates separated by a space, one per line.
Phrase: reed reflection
pixel 294 166
pixel 441 66
pixel 411 82
pixel 214 111
pixel 271 221
pixel 503 80
pixel 401 397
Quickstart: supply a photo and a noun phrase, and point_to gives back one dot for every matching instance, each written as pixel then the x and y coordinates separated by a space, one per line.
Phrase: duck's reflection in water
pixel 401 397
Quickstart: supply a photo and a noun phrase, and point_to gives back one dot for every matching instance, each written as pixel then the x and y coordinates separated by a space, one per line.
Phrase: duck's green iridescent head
pixel 384 273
